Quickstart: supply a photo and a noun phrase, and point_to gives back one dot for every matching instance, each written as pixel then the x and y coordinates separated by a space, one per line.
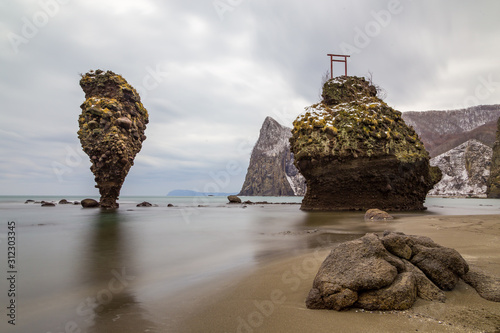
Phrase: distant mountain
pixel 441 131
pixel 271 171
pixel 465 170
pixel 189 193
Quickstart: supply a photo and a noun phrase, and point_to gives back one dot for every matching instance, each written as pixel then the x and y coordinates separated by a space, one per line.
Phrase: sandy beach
pixel 270 298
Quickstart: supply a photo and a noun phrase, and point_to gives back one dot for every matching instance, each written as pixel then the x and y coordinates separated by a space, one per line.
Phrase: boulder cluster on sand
pixel 356 152
pixel 389 272
pixel 112 125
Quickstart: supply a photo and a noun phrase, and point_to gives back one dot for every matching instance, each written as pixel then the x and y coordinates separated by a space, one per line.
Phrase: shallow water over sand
pixel 104 271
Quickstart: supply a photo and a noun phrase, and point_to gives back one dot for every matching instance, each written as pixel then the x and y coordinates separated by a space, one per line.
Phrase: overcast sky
pixel 209 72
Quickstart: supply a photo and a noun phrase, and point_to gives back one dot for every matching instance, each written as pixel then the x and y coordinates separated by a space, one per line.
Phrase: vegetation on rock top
pixel 351 121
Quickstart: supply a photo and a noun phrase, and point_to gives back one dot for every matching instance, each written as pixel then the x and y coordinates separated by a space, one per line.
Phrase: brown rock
pixel 400 295
pixel 356 152
pixel 233 199
pixel 89 203
pixel 377 215
pixel 112 125
pixel 488 287
pixel 373 273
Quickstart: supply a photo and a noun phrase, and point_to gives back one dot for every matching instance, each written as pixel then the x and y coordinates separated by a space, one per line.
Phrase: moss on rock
pixel 351 123
pixel 112 125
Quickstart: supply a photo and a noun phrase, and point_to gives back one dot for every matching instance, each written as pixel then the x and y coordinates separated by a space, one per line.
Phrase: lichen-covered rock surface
pixel 112 125
pixel 357 153
pixel 386 272
pixel 493 187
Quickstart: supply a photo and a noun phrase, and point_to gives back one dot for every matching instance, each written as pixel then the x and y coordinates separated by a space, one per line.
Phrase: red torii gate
pixel 332 60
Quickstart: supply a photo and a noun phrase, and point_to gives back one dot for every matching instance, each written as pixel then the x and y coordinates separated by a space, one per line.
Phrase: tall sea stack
pixel 493 186
pixel 112 125
pixel 357 153
pixel 271 171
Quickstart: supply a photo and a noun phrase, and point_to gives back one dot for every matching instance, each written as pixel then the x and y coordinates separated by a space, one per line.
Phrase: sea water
pixel 87 270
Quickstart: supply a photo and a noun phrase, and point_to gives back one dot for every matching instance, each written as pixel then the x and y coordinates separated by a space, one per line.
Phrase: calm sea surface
pixel 87 270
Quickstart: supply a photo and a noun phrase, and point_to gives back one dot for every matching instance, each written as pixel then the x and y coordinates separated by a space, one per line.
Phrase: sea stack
pixel 493 186
pixel 271 171
pixel 357 153
pixel 112 125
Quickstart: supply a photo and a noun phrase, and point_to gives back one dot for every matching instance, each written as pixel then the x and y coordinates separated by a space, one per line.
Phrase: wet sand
pixel 270 297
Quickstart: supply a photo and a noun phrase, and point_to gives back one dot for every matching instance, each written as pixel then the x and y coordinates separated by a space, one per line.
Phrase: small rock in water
pixel 48 204
pixel 64 202
pixel 377 215
pixel 145 204
pixel 233 199
pixel 89 203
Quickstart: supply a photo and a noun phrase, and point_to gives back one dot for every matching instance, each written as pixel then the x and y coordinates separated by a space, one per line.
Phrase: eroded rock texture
pixel 112 125
pixel 493 187
pixel 271 171
pixel 385 272
pixel 356 152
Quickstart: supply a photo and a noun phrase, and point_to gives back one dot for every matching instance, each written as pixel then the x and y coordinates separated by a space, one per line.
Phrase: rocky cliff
pixel 112 125
pixel 465 169
pixel 493 187
pixel 441 131
pixel 356 152
pixel 271 171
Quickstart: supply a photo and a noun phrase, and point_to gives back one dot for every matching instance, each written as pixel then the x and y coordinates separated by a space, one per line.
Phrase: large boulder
pixel 385 272
pixel 356 152
pixel 112 125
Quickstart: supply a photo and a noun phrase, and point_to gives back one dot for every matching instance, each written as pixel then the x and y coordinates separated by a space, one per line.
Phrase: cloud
pixel 209 78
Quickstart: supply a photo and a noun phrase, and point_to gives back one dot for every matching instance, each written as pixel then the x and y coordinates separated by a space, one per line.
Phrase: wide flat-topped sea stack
pixel 112 125
pixel 357 153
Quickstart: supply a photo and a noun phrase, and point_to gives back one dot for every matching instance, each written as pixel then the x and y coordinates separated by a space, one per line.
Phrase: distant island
pixel 190 193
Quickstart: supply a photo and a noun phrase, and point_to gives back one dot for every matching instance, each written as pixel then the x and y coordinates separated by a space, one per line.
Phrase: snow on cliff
pixel 465 170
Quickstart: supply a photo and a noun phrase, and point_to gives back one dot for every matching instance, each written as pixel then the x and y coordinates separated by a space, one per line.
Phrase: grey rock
pixel 426 288
pixel 386 272
pixel 487 286
pixel 271 171
pixel 400 295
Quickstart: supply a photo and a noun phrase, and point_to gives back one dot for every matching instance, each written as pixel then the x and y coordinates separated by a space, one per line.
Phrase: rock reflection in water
pixel 113 308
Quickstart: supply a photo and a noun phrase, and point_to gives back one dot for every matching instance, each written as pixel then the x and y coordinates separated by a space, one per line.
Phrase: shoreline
pixel 271 297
